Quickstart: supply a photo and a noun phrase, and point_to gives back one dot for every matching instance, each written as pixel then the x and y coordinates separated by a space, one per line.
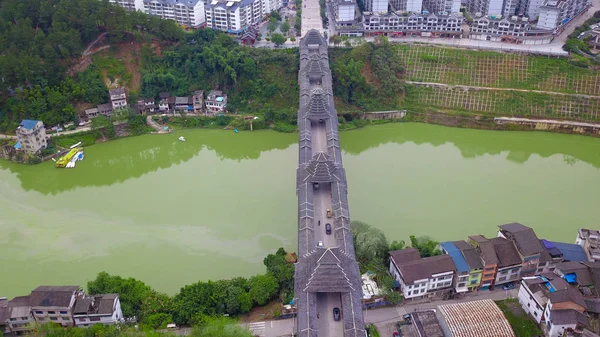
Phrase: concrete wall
pixel 550 125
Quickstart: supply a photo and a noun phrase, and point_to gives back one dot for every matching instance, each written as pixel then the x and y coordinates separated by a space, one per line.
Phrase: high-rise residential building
pixel 376 6
pixel 272 5
pixel 487 7
pixel 556 13
pixel 233 16
pixel 344 11
pixel 185 12
pixel 130 5
pixel 31 136
pixel 412 6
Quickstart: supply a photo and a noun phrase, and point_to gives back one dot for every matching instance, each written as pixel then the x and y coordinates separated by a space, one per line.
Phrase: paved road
pixel 445 85
pixel 311 16
pixel 385 316
pixel 326 324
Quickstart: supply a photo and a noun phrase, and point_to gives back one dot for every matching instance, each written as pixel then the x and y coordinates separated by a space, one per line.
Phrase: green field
pixel 498 70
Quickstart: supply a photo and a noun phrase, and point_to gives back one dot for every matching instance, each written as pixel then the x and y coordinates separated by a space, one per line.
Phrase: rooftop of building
pixel 181 100
pixel 544 284
pixel 569 251
pixel 95 305
pixel 405 255
pixel 506 252
pixel 570 294
pixel 476 318
pixel 117 91
pixel 424 268
pixel 459 260
pixel 470 253
pixel 568 316
pixel 52 296
pixel 524 238
pixel 28 124
pixel 575 272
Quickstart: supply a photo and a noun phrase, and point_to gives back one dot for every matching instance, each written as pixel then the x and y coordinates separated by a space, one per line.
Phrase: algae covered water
pixel 171 213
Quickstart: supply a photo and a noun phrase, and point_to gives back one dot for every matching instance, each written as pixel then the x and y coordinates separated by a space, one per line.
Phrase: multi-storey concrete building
pixel 486 251
pixel 216 101
pixel 514 29
pixel 419 277
pixel 413 25
pixel 534 256
pixel 410 6
pixel 100 309
pixel 54 304
pixel 589 239
pixel 31 136
pixel 118 98
pixel 474 261
pixel 554 14
pixel 19 315
pixel 491 8
pixel 233 16
pixel 186 12
pixel 462 267
pixel 344 11
pixel 130 5
pixel 376 6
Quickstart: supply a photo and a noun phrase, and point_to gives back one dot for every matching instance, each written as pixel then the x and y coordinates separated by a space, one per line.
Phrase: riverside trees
pixel 198 303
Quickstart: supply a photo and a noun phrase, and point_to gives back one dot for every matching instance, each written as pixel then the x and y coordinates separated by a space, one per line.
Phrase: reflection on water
pixel 215 205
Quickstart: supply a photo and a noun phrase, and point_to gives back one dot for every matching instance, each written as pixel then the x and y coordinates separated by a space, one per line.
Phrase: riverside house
pixel 462 268
pixel 54 304
pixel 422 277
pixel 100 309
pixel 474 261
pixel 31 136
pixel 535 259
pixel 486 251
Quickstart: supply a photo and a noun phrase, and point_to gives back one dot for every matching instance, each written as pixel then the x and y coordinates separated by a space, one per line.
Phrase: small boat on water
pixel 181 139
pixel 69 159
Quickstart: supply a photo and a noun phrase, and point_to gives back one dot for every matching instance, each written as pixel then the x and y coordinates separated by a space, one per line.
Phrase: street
pixel 384 316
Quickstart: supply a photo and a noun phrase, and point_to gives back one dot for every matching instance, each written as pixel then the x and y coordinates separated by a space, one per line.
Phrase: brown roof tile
pixel 506 252
pixel 52 296
pixel 425 267
pixel 405 255
pixel 571 294
pixel 524 238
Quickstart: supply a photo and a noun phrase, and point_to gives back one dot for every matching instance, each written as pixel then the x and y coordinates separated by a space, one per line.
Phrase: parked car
pixel 320 244
pixel 316 185
pixel 336 314
pixel 329 213
pixel 509 286
pixel 327 228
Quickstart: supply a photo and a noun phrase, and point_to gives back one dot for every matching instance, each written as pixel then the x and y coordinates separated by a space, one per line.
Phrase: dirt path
pixel 87 50
pixel 443 85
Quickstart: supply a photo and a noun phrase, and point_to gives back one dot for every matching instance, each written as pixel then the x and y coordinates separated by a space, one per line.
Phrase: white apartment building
pixel 554 14
pixel 118 98
pixel 344 10
pixel 272 5
pixel 414 25
pixel 185 12
pixel 31 136
pixel 99 309
pixel 130 5
pixel 514 30
pixel 411 6
pixel 376 6
pixel 419 277
pixel 589 239
pixel 492 8
pixel 234 16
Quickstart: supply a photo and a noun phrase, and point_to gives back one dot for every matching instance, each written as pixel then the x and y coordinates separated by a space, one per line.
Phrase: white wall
pixel 548 18
pixel 495 7
pixel 414 6
pixel 529 304
pixel 346 12
pixel 199 17
pixel 380 6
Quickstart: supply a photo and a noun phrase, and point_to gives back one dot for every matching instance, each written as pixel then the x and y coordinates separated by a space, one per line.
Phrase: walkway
pixel 311 17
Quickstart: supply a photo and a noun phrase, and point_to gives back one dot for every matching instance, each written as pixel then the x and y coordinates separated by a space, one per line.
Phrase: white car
pixel 320 244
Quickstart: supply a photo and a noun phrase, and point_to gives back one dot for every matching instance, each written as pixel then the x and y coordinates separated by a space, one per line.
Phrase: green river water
pixel 172 213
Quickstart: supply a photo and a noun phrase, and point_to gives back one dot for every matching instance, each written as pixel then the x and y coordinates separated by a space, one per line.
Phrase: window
pixel 53 318
pixel 51 312
pixel 64 313
pixel 41 318
pixel 462 284
pixel 422 290
pixel 81 319
pixel 447 283
pixel 409 293
pixel 66 318
pixel 474 282
pixel 38 312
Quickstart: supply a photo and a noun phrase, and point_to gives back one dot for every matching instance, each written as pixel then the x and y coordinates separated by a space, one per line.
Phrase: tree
pixel 272 25
pixel 103 126
pixel 156 303
pixel 220 327
pixel 280 269
pixel 397 245
pixel 275 15
pixel 158 321
pixel 285 27
pixel 278 39
pixel 370 244
pixel 425 245
pixel 262 288
pixel 131 291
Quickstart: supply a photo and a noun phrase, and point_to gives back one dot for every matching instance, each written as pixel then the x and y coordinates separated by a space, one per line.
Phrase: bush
pixel 285 127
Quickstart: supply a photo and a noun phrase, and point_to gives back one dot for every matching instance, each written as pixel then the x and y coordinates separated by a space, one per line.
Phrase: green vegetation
pixel 212 327
pixel 383 87
pixel 254 79
pixel 278 39
pixel 522 325
pixel 497 70
pixel 199 302
pixel 373 332
pixel 574 44
pixel 42 38
pixel 371 248
pixel 86 139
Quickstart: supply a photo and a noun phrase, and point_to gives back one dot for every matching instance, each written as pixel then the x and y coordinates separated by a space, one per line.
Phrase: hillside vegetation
pixel 41 39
